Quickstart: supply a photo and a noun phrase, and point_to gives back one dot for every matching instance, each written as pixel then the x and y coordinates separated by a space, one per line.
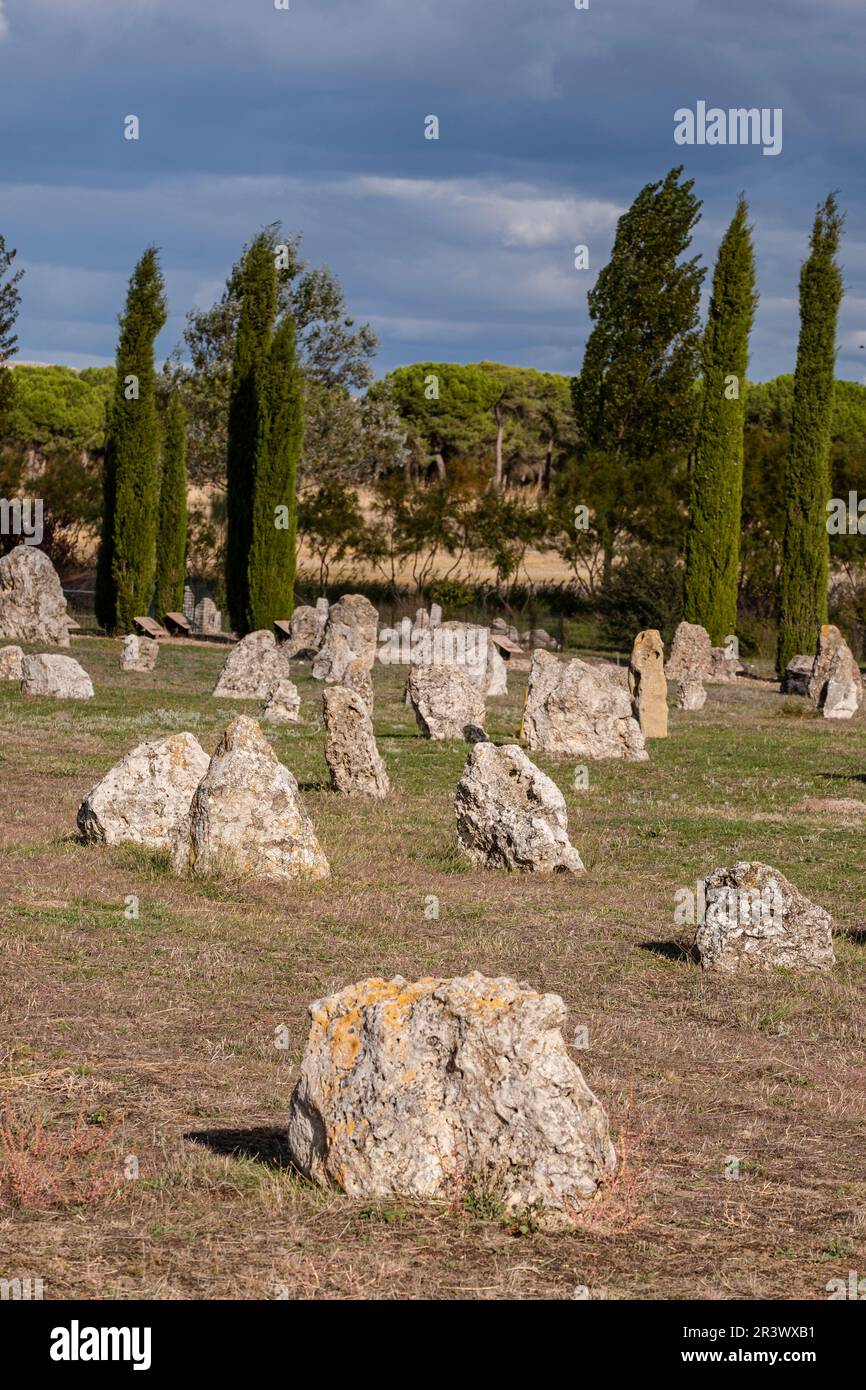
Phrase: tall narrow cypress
pixel 713 536
pixel 130 478
pixel 271 567
pixel 247 426
pixel 171 541
pixel 805 566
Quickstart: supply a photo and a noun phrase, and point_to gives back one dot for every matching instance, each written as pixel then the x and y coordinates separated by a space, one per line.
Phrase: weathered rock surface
pixel 308 631
pixel 798 674
pixel 445 701
pixel 246 816
pixel 357 677
pixel 32 606
pixel 283 704
pixel 835 686
pixel 756 920
pixel 691 694
pixel 60 677
pixel 138 653
pixel 253 667
pixel 350 745
pixel 724 667
pixel 11 663
pixel 424 1090
pixel 691 652
pixel 581 711
pixel 350 633
pixel 647 684
pixel 207 618
pixel 146 795
pixel 510 815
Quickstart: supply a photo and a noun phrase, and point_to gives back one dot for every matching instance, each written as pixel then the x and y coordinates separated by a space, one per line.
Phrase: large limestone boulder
pixel 510 815
pixel 724 667
pixel 350 633
pixel 581 711
pixel 467 646
pixel 445 701
pixel 835 686
pixel 647 684
pixel 32 606
pixel 253 667
pixel 691 652
pixel 426 1090
pixel 246 816
pixel 357 677
pixel 755 919
pixel 11 664
pixel 691 694
pixel 307 631
pixel 350 745
pixel 60 677
pixel 138 653
pixel 283 704
pixel 146 795
pixel 797 675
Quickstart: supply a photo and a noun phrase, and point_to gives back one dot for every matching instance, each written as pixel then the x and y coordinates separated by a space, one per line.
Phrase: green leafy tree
pixel 448 406
pixel 712 568
pixel 332 525
pixel 635 399
pixel 805 561
pixel 127 552
pixel 10 298
pixel 171 545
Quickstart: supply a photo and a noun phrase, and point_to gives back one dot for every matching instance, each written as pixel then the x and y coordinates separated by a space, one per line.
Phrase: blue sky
pixel 551 119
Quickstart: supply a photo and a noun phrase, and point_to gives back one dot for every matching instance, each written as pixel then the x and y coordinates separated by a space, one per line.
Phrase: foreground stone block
pixel 647 684
pixel 283 704
pixel 835 686
pixel 445 701
pixel 691 694
pixel 691 652
pixel 581 711
pixel 350 633
pixel 357 677
pixel 426 1090
pixel 59 677
pixel 510 815
pixel 138 653
pixel 11 663
pixel 252 668
pixel 756 920
pixel 145 796
pixel 246 816
pixel 798 674
pixel 32 606
pixel 350 745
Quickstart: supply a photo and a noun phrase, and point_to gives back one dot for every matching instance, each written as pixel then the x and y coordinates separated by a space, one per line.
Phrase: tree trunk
pixel 440 465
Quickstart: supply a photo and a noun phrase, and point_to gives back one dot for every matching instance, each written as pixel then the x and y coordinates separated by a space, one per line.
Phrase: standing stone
pixel 207 618
pixel 835 686
pixel 430 1089
pixel 755 919
pixel 32 606
pixel 246 817
pixel 283 704
pixel 350 745
pixel 510 815
pixel 691 694
pixel 307 631
pixel 11 663
pixel 253 667
pixel 350 632
pixel 445 701
pixel 145 796
pixel 496 671
pixel 691 652
pixel 798 674
pixel 647 684
pixel 138 653
pixel 724 667
pixel 188 605
pixel 581 711
pixel 60 677
pixel 357 677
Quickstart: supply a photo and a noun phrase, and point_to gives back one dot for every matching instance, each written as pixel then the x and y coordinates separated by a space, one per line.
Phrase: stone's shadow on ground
pixel 670 950
pixel 264 1145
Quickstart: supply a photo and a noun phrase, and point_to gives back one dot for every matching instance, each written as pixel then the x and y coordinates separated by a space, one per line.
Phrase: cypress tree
pixel 805 566
pixel 130 474
pixel 271 568
pixel 171 542
pixel 713 536
pixel 247 425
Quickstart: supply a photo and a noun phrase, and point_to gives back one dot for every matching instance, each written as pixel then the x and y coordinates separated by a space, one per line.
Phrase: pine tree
pixel 10 299
pixel 805 566
pixel 247 425
pixel 713 537
pixel 271 567
pixel 634 401
pixel 171 540
pixel 127 552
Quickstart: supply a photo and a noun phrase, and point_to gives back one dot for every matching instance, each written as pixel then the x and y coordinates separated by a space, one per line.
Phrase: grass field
pixel 147 1045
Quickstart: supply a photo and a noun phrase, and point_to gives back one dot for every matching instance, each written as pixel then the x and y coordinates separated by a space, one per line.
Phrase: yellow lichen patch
pixel 345 1039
